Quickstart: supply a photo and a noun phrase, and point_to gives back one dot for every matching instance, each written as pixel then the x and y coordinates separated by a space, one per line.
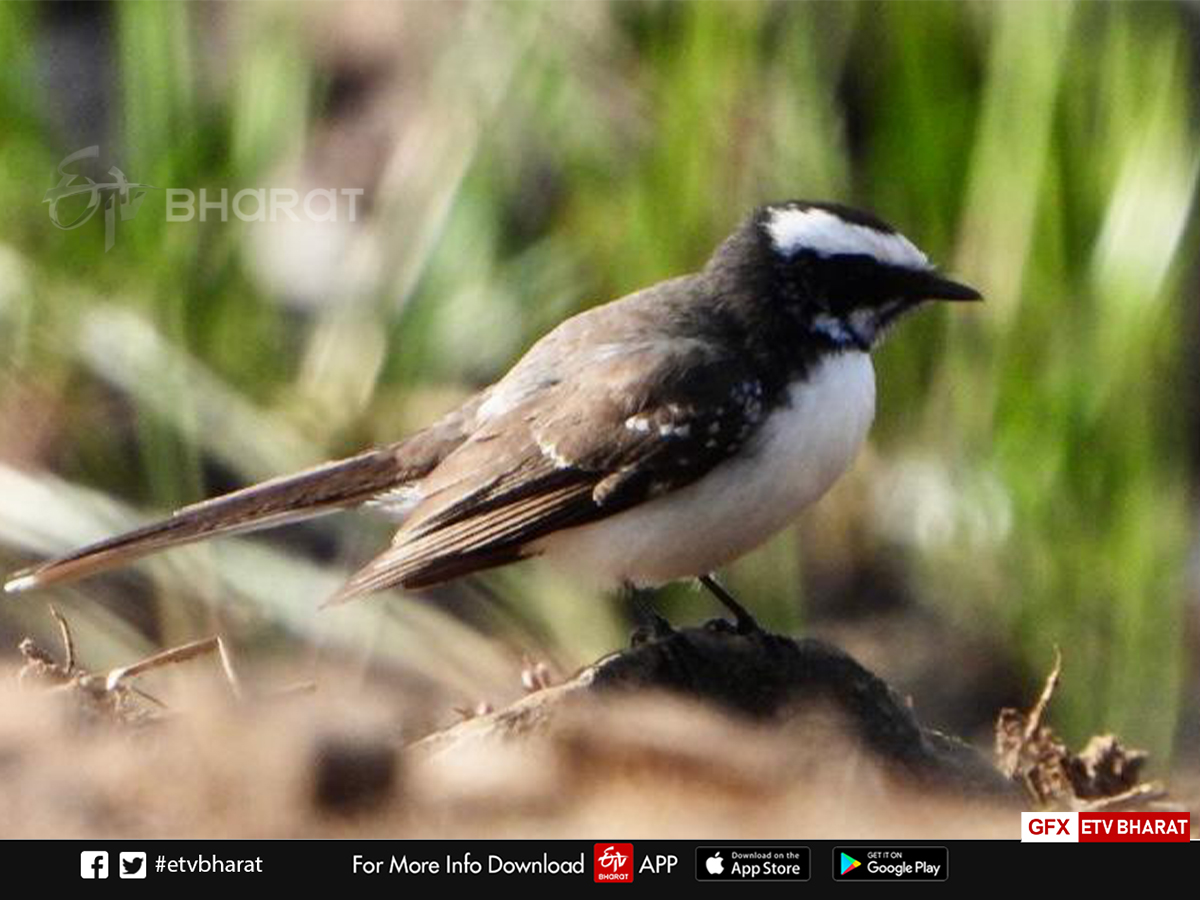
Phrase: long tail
pixel 313 492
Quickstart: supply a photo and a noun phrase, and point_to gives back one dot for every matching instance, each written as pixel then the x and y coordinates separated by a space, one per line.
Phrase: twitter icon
pixel 133 865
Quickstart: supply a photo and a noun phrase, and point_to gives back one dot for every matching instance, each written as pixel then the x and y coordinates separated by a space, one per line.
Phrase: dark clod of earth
pixel 353 774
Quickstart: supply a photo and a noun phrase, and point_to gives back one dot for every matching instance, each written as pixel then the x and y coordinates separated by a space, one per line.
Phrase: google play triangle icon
pixel 849 863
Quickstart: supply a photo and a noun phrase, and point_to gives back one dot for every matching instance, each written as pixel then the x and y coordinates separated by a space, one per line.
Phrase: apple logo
pixel 714 864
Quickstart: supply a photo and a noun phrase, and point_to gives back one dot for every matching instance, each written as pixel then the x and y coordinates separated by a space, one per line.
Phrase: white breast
pixel 797 454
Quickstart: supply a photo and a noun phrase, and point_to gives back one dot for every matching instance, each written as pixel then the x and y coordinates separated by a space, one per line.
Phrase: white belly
pixel 797 454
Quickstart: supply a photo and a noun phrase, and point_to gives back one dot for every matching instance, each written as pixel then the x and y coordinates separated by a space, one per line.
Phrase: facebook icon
pixel 93 864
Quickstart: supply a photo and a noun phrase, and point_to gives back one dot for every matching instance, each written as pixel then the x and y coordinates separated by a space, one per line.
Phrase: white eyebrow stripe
pixel 793 229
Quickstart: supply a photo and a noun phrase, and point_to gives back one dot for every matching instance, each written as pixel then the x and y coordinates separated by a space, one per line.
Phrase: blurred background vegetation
pixel 1030 481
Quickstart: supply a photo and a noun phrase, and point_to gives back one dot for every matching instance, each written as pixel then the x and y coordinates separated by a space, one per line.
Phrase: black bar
pixel 392 865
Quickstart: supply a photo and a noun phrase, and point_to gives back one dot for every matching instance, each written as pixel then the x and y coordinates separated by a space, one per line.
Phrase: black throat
pixel 761 310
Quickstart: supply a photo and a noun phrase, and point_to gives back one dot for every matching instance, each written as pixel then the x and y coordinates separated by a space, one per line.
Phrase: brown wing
pixel 628 427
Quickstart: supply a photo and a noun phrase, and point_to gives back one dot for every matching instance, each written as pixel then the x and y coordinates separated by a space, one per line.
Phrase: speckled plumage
pixel 655 437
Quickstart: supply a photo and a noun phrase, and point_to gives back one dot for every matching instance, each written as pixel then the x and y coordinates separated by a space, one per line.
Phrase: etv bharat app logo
pixel 613 863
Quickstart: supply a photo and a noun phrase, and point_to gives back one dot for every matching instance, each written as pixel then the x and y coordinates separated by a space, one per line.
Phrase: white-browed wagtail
pixel 654 438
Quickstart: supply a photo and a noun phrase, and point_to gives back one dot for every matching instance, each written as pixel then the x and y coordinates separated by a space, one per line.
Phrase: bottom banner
pixel 650 864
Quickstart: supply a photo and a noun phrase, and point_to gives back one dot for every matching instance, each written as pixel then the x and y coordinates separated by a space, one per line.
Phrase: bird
pixel 650 439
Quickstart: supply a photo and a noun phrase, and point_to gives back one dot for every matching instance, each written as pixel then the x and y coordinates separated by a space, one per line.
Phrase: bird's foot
pixel 720 626
pixel 652 625
pixel 744 623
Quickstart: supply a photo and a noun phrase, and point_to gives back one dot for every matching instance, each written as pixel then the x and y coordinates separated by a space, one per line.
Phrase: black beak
pixel 932 286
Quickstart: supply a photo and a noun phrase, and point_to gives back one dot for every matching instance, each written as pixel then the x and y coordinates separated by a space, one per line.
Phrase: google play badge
pixel 849 863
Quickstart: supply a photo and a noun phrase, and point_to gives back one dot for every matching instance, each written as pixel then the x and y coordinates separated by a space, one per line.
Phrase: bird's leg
pixel 746 623
pixel 652 624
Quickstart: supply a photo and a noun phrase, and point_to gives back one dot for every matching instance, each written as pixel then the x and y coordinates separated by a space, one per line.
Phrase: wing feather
pixel 625 429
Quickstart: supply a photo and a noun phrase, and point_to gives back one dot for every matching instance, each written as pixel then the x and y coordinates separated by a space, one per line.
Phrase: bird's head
pixel 844 273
